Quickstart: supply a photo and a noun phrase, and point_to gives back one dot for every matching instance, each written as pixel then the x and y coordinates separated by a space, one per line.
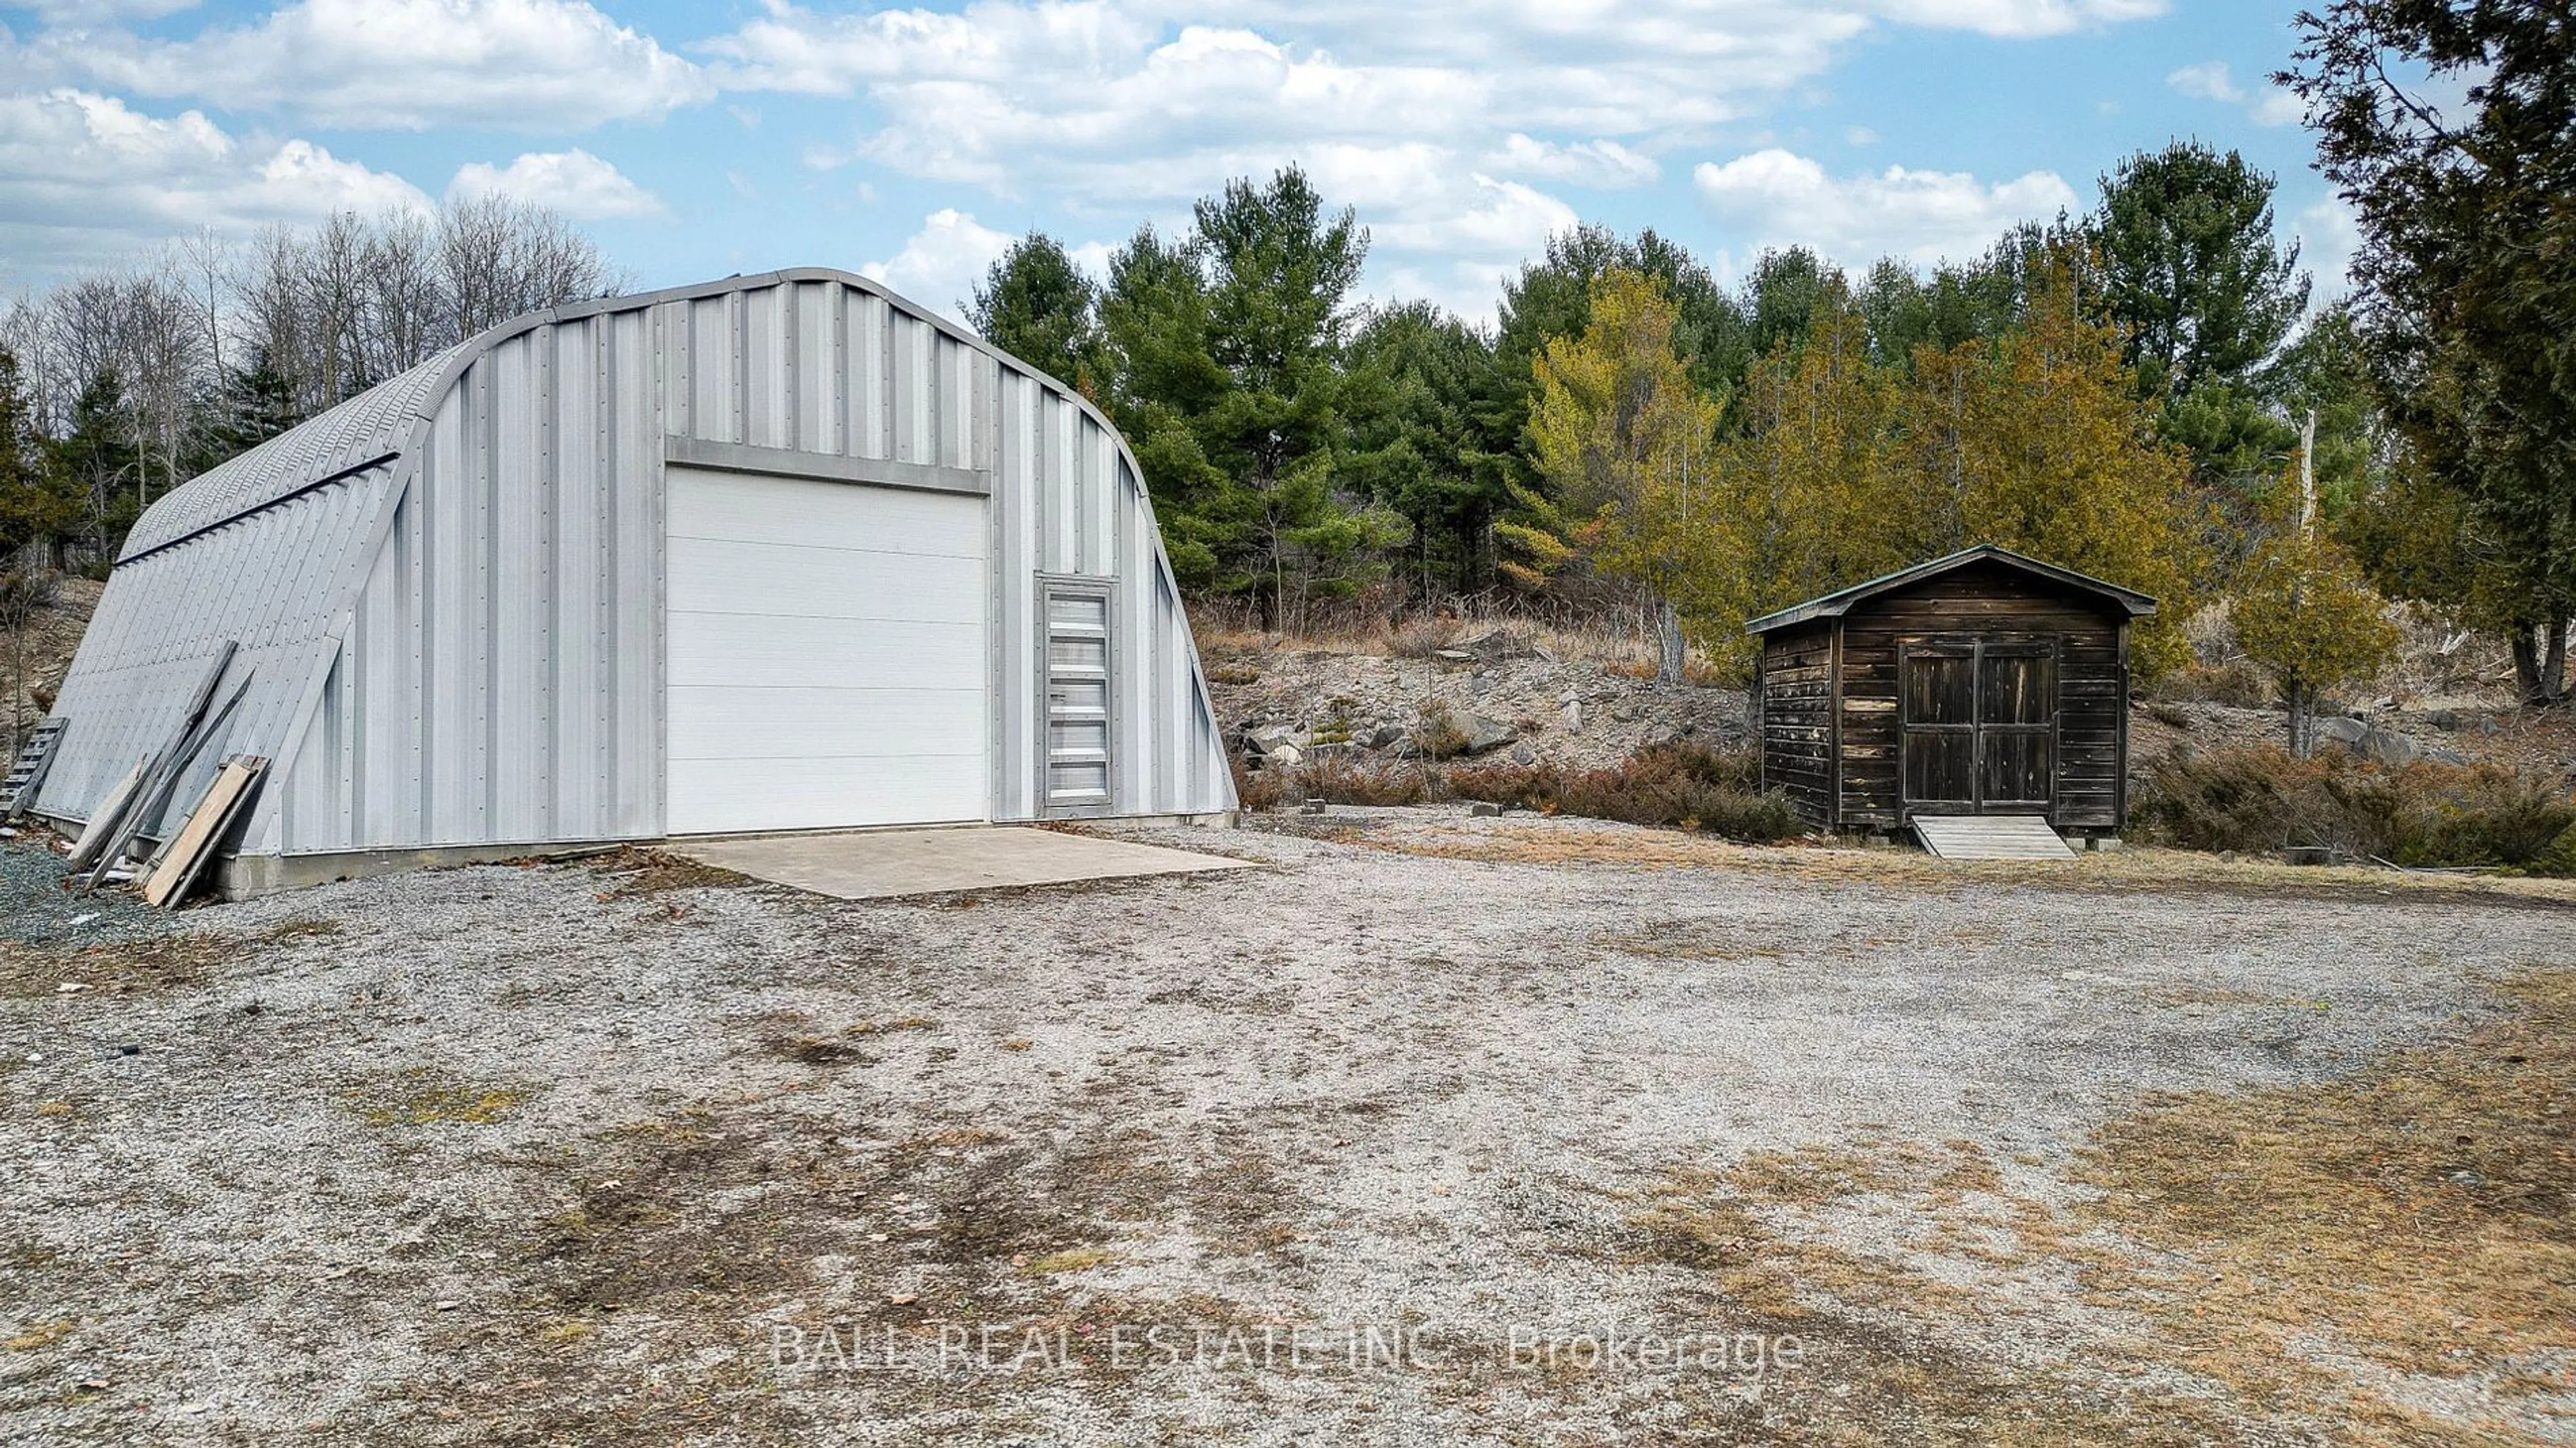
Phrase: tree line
pixel 2121 393
pixel 117 386
pixel 2144 392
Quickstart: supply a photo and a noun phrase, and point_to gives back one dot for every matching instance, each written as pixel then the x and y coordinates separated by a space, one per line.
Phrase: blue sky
pixel 912 142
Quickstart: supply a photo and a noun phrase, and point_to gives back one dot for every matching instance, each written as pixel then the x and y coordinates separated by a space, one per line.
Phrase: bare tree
pixel 329 310
pixel 406 298
pixel 502 258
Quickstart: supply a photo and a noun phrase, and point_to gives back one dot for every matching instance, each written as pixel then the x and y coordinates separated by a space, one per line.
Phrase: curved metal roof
pixel 360 432
pixel 386 421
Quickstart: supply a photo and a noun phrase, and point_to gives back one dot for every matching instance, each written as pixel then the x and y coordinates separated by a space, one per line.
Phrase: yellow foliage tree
pixel 2038 443
pixel 1625 439
pixel 2306 614
pixel 1844 469
pixel 1809 490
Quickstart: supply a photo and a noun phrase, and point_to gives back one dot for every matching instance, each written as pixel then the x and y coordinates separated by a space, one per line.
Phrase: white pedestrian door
pixel 1077 697
pixel 825 655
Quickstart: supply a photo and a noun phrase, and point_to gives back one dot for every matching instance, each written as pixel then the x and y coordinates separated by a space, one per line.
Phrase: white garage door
pixel 826 655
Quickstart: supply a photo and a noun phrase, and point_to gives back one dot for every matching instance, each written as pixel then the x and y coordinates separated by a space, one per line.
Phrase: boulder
pixel 1286 756
pixel 2339 730
pixel 2387 746
pixel 1482 734
pixel 1266 739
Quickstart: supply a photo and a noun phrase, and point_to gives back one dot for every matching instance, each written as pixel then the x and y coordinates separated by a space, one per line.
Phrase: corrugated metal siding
pixel 276 580
pixel 491 670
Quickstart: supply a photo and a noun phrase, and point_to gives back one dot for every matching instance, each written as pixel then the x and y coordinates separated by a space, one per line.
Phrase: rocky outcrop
pixel 1502 697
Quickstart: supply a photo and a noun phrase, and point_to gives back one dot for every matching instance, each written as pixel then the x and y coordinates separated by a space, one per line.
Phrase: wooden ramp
pixel 1990 837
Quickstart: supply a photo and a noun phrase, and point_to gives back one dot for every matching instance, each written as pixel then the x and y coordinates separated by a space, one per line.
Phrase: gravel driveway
pixel 1401 1140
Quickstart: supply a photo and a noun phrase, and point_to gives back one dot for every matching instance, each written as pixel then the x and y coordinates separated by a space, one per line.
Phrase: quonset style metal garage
pixel 778 552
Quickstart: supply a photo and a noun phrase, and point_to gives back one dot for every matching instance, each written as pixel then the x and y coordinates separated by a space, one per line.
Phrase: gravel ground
pixel 577 1154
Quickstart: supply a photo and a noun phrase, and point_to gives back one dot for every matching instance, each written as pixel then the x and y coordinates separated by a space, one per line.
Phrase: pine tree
pixel 1037 305
pixel 1226 358
pixel 34 508
pixel 1434 438
pixel 2463 293
pixel 2305 613
pixel 100 463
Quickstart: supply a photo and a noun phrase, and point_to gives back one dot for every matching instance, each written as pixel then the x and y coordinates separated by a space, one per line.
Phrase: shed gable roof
pixel 1834 605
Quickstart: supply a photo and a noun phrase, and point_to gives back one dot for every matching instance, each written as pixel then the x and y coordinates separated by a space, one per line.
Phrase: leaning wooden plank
pixel 104 820
pixel 156 796
pixel 174 756
pixel 196 841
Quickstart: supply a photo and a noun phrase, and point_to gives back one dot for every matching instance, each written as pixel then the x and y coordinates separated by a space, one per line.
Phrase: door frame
pixel 1973 647
pixel 1105 589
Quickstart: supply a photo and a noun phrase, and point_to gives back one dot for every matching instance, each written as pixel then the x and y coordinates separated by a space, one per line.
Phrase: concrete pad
pixel 877 864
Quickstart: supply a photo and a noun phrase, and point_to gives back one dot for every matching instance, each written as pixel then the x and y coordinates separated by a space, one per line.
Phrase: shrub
pixel 1419 637
pixel 1339 779
pixel 2260 800
pixel 2559 859
pixel 1258 789
pixel 1685 786
pixel 1438 734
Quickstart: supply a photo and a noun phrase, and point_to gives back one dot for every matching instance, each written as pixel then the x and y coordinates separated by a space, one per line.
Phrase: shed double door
pixel 1979 724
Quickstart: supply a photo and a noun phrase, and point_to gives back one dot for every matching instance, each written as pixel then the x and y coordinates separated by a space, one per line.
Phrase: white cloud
pixel 1776 198
pixel 1439 128
pixel 1604 164
pixel 2207 81
pixel 574 182
pixel 1445 126
pixel 941 263
pixel 2020 18
pixel 404 64
pixel 2329 233
pixel 2213 81
pixel 92 12
pixel 85 178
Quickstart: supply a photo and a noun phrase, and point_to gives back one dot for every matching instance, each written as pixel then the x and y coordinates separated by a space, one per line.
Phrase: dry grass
pixel 2142 870
pixel 1071 1259
pixel 652 872
pixel 421 1097
pixel 152 963
pixel 2422 1212
pixel 1228 636
pixel 1892 1354
pixel 2243 1252
pixel 38 1336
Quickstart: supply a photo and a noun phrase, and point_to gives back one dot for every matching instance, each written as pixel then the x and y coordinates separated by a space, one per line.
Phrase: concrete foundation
pixel 241 877
pixel 886 864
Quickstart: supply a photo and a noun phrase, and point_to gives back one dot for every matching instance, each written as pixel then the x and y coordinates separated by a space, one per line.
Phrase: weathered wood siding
pixel 1798 719
pixel 1832 737
pixel 1996 604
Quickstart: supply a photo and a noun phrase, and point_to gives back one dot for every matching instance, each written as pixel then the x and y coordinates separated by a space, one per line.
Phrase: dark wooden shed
pixel 1980 683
